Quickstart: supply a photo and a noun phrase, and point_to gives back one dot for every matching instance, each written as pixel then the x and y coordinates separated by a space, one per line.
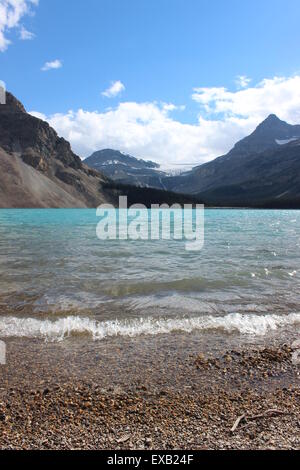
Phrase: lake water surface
pixel 58 280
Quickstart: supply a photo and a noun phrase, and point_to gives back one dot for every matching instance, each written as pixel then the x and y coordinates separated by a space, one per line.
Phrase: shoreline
pixel 197 410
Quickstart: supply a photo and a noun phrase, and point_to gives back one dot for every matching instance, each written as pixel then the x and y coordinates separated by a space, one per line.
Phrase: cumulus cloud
pixel 11 14
pixel 279 95
pixel 114 90
pixel 148 130
pixel 55 64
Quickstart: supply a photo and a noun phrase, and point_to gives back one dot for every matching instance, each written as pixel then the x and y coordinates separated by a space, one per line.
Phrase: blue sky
pixel 173 63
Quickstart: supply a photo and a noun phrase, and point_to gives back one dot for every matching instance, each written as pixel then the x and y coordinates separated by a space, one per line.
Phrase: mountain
pixel 126 169
pixel 271 179
pixel 39 169
pixel 270 134
pixel 261 170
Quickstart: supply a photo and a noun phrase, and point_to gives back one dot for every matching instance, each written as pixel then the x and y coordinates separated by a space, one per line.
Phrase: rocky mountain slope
pixel 272 133
pixel 38 168
pixel 126 169
pixel 268 179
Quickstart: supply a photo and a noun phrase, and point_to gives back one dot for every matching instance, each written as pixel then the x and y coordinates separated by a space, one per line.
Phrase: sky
pixel 174 81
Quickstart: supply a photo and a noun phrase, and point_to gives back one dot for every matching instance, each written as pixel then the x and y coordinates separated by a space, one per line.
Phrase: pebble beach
pixel 247 399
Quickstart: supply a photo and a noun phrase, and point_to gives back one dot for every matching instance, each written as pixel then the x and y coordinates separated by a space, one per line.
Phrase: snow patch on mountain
pixel 286 141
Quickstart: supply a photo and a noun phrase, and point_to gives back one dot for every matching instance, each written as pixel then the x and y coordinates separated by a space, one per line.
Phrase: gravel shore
pixel 247 400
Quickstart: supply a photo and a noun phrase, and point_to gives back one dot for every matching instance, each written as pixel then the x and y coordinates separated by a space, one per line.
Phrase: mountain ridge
pixel 265 136
pixel 126 169
pixel 53 175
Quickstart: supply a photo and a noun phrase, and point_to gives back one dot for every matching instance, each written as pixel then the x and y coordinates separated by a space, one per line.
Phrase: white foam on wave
pixel 63 328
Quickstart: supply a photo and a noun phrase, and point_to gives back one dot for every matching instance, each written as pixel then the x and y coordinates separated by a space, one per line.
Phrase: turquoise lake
pixel 57 279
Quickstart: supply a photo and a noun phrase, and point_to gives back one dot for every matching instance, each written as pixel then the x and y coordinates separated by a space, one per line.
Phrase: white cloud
pixel 11 13
pixel 26 35
pixel 242 81
pixel 114 90
pixel 279 95
pixel 172 107
pixel 148 130
pixel 55 64
pixel 145 130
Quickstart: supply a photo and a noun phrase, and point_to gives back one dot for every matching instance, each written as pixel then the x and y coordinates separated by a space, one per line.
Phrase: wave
pixel 63 328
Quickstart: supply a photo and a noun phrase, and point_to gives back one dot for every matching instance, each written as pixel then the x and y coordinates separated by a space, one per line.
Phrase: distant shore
pixel 246 399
